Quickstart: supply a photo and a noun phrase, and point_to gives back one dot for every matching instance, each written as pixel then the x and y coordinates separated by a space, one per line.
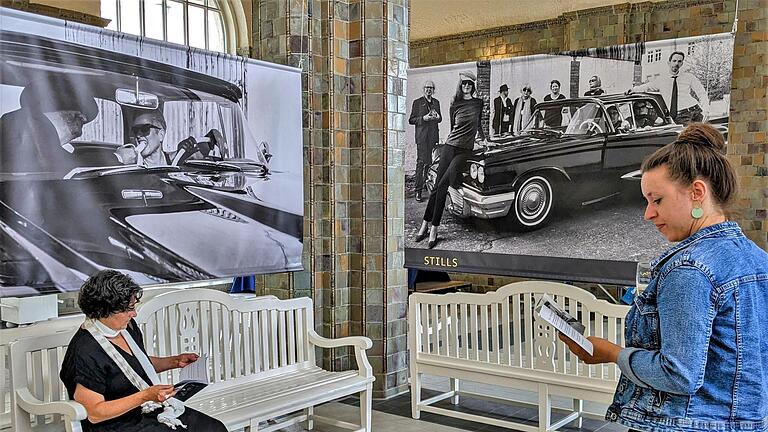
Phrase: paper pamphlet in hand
pixel 564 322
pixel 192 378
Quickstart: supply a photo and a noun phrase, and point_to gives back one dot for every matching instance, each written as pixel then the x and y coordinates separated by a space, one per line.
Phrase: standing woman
pixel 696 356
pixel 465 112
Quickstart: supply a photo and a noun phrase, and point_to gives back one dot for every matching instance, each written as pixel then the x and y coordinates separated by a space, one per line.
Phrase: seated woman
pixel 106 367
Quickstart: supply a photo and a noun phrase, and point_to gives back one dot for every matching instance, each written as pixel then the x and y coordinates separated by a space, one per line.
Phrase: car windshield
pixel 587 119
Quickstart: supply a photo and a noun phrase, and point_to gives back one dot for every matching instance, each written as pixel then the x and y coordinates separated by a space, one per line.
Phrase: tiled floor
pixel 394 415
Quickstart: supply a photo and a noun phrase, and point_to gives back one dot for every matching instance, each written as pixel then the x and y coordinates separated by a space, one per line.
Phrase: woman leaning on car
pixel 465 113
pixel 696 356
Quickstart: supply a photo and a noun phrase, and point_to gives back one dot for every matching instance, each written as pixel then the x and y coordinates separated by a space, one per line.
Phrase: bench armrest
pixel 361 343
pixel 74 411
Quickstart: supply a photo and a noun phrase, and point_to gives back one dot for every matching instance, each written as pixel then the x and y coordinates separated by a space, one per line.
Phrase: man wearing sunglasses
pixel 147 134
pixel 425 115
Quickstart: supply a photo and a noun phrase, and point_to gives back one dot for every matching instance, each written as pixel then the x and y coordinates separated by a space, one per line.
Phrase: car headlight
pixel 473 171
pixel 480 174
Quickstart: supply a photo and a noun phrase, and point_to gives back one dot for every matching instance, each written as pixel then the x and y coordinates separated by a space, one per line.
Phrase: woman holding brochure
pixel 696 355
pixel 107 370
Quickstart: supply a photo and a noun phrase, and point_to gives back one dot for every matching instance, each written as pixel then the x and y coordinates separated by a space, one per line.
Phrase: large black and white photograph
pixel 165 162
pixel 530 166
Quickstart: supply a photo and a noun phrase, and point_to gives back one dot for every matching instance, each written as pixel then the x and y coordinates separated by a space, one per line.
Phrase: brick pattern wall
pixel 628 23
pixel 354 56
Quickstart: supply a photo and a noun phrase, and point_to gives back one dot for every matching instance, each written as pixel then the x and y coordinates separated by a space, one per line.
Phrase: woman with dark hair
pixel 554 117
pixel 465 113
pixel 107 370
pixel 696 356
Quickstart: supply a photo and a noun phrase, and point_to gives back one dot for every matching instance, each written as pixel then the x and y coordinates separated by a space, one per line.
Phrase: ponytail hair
pixel 698 154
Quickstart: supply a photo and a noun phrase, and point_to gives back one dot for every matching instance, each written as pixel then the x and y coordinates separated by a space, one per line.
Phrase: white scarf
pixel 173 407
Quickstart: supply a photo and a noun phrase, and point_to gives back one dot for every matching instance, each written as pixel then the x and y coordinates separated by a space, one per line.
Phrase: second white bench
pixel 496 338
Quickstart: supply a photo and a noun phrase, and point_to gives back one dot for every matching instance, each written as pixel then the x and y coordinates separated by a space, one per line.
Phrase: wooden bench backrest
pixel 502 327
pixel 36 364
pixel 242 337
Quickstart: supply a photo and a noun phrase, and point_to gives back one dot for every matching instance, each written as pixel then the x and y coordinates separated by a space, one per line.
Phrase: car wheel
pixel 533 202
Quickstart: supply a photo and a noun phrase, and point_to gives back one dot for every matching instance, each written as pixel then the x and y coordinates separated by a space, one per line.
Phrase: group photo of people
pixel 464 117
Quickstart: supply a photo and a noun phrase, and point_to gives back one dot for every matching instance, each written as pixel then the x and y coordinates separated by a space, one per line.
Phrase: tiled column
pixel 353 55
pixel 748 125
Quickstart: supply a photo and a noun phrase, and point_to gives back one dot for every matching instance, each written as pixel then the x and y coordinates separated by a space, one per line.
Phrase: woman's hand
pixel 163 364
pixel 604 351
pixel 158 393
pixel 185 359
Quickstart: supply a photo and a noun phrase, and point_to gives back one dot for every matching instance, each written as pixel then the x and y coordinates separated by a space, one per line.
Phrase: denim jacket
pixel 696 356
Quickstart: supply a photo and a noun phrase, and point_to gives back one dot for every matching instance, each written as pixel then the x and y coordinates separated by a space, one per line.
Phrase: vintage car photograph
pixel 570 176
pixel 157 164
pixel 591 154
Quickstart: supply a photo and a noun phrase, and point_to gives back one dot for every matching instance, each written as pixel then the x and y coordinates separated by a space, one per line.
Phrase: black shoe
pixel 420 237
pixel 418 197
pixel 432 243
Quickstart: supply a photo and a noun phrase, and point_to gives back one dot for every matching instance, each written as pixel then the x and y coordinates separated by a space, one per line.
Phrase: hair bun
pixel 702 135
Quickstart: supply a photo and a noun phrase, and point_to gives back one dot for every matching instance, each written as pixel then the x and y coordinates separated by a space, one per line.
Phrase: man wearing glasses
pixel 425 115
pixel 147 134
pixel 523 109
pixel 36 137
pixel 595 86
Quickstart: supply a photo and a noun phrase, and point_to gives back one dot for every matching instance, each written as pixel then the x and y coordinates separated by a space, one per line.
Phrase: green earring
pixel 697 212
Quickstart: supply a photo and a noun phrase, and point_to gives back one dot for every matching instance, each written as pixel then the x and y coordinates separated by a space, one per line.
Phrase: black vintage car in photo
pixel 579 150
pixel 215 209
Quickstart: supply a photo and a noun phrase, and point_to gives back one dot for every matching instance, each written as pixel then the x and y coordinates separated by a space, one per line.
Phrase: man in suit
pixel 425 115
pixel 522 109
pixel 502 112
pixel 35 139
pixel 677 88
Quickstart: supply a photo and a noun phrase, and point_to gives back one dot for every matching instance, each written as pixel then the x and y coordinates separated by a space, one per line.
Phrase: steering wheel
pixel 591 126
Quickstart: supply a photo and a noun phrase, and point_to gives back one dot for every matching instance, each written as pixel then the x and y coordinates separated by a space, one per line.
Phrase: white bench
pixel 42 328
pixel 496 338
pixel 261 353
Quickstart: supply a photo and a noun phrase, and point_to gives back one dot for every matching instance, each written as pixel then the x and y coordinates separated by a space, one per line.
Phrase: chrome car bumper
pixel 464 202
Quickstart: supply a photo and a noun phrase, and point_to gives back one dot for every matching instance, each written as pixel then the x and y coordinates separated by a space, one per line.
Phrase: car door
pixel 625 150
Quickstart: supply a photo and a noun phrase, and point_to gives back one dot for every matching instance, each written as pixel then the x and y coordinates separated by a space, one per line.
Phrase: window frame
pixel 207 7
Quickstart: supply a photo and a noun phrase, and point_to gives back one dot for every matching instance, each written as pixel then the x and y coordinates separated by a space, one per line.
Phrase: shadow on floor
pixel 401 405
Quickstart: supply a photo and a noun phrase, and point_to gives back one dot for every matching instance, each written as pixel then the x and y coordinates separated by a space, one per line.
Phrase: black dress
pixel 87 364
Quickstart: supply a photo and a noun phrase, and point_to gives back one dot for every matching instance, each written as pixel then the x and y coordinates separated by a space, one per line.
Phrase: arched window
pixel 197 23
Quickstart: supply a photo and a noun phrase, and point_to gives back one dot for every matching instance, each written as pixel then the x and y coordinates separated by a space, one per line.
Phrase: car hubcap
pixel 533 202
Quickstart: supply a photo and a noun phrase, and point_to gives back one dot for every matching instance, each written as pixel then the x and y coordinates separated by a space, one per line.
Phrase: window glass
pixel 196 26
pixel 190 119
pixel 197 23
pixel 107 127
pixel 130 18
pixel 176 22
pixel 109 11
pixel 216 31
pixel 153 19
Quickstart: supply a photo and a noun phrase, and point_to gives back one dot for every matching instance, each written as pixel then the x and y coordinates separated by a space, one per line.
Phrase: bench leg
pixel 415 395
pixel 578 406
pixel 254 426
pixel 545 408
pixel 366 406
pixel 309 412
pixel 455 390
